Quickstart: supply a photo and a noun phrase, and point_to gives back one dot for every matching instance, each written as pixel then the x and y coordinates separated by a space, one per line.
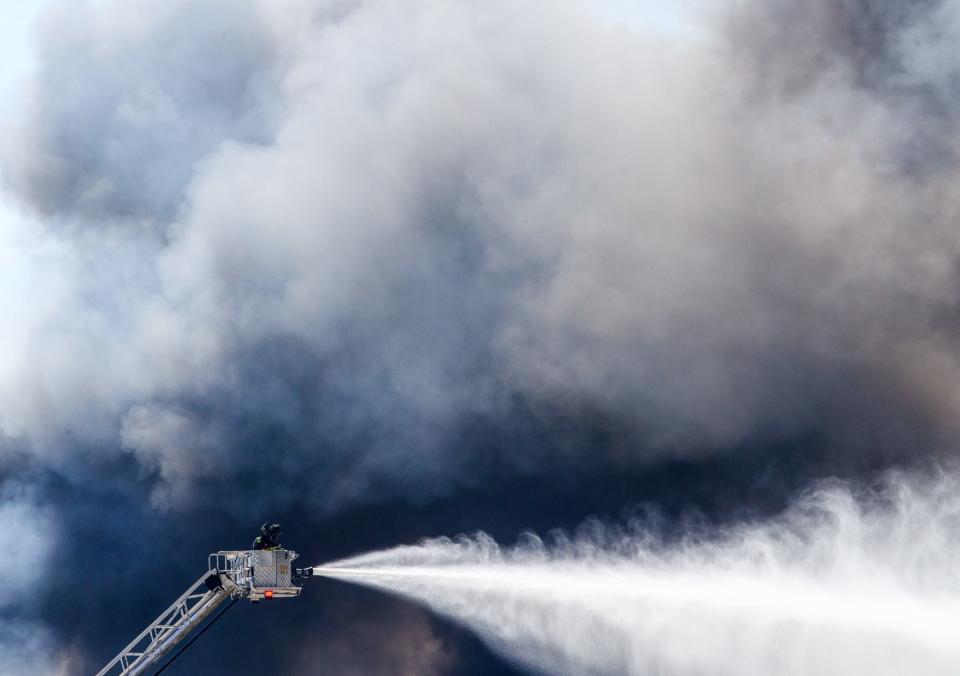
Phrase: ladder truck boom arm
pixel 171 627
pixel 253 575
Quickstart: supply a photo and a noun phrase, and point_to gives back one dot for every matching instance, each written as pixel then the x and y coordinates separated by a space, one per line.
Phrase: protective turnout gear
pixel 269 537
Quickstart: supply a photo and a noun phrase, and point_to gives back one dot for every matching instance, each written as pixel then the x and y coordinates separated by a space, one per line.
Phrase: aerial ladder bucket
pixel 231 575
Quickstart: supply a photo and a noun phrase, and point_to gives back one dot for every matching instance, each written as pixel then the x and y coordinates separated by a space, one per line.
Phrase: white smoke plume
pixel 848 583
pixel 353 229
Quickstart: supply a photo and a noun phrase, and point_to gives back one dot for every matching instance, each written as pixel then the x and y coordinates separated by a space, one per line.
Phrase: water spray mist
pixel 841 584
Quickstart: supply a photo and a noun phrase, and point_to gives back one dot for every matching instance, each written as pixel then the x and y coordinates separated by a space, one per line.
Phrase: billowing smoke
pixel 296 224
pixel 26 646
pixel 843 583
pixel 329 256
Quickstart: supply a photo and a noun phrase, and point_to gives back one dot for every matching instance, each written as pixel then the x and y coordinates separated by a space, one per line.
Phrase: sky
pixel 17 19
pixel 385 271
pixel 16 271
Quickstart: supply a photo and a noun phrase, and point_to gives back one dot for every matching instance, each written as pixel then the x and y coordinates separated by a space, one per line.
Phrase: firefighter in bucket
pixel 269 538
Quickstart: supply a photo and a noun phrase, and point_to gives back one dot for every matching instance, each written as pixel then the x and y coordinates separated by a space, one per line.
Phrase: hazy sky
pixel 16 20
pixel 17 270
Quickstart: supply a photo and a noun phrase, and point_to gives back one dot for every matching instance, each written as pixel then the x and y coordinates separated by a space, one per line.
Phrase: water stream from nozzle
pixel 835 587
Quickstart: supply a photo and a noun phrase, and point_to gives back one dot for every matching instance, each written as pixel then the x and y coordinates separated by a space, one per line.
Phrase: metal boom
pixel 171 627
pixel 253 575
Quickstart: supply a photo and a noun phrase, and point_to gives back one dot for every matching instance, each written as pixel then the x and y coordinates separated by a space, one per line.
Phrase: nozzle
pixel 304 572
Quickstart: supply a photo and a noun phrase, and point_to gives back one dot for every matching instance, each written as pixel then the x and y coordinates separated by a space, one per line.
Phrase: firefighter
pixel 269 537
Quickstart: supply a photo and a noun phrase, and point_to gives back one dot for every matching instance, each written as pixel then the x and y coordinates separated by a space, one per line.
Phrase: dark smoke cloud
pixel 310 256
pixel 400 642
pixel 896 54
pixel 792 45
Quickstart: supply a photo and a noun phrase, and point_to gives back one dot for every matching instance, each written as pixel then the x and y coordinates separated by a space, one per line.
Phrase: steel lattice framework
pixel 253 575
